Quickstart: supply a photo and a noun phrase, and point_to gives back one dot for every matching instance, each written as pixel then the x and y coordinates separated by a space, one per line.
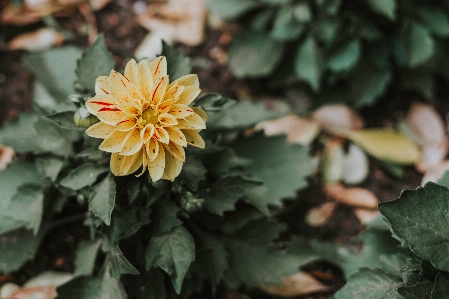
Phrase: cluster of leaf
pixel 187 231
pixel 411 261
pixel 345 51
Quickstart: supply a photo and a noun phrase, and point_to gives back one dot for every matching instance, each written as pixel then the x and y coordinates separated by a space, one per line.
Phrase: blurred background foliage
pixel 353 52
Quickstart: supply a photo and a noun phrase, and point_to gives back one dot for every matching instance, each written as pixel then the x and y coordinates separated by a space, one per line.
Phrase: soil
pixel 123 35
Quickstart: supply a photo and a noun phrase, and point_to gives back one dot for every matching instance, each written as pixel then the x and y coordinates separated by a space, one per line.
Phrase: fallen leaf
pixel 298 130
pixel 355 165
pixel 6 154
pixel 320 215
pixel 296 285
pixel 332 162
pixel 32 12
pixel 366 216
pixel 435 173
pixel 432 155
pixel 151 45
pixel 337 119
pixel 387 145
pixel 41 39
pixel 351 196
pixel 427 123
pixel 8 289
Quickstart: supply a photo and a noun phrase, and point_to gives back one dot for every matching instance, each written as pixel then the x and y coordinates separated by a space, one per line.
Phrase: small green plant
pixel 179 225
pixel 340 51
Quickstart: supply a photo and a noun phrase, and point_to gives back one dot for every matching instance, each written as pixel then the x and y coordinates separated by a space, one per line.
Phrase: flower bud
pixel 83 118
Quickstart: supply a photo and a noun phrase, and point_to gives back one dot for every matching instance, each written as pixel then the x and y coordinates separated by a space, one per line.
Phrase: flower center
pixel 149 116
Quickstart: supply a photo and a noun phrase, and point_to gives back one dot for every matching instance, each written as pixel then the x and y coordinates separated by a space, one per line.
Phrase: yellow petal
pixel 165 106
pixel 181 111
pixel 147 132
pixel 114 142
pixel 161 135
pixel 188 95
pixel 100 130
pixel 132 144
pixel 127 123
pixel 172 167
pixel 131 163
pixel 96 103
pixel 116 163
pixel 111 116
pixel 176 150
pixel 387 145
pixel 152 148
pixel 201 113
pixel 130 108
pixel 176 136
pixel 158 68
pixel 193 138
pixel 158 90
pixel 174 90
pixel 132 72
pixel 102 86
pixel 157 166
pixel 191 122
pixel 188 80
pixel 167 119
pixel 118 79
pixel 120 95
pixel 145 79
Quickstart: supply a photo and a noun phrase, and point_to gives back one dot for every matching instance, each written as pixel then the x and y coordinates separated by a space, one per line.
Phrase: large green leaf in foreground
pixel 421 219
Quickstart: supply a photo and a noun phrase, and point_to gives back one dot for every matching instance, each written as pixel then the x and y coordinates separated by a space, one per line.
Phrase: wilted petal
pixel 176 136
pixel 181 111
pixel 102 86
pixel 158 68
pixel 145 79
pixel 188 80
pixel 157 166
pixel 173 168
pixel 176 150
pixel 133 143
pixel 152 148
pixel 100 130
pixel 114 142
pixel 127 123
pixel 132 72
pixel 158 90
pixel 167 119
pixel 161 135
pixel 119 80
pixel 193 138
pixel 188 95
pixel 96 103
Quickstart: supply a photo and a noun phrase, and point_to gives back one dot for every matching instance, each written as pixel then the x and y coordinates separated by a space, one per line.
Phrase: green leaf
pixel 286 27
pixel 416 43
pixel 172 252
pixel 96 61
pixel 193 171
pixel 102 199
pixel 441 287
pixel 419 291
pixel 244 114
pixel 345 57
pixel 384 7
pixel 231 9
pixel 309 63
pixel 55 69
pixel 125 223
pixel 140 288
pixel 368 84
pixel 421 219
pixel 18 247
pixel 164 217
pixel 82 176
pixel 260 232
pixel 82 287
pixel 282 167
pixel 178 65
pixel 64 119
pixel 49 167
pixel 85 257
pixel 120 265
pixel 47 102
pixel 435 19
pixel 254 54
pixel 213 102
pixel 225 192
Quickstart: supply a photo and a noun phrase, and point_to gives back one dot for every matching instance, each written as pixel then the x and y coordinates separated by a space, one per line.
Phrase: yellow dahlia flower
pixel 144 120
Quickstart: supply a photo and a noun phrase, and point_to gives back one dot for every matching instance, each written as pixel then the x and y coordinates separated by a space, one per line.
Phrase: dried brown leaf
pixel 336 119
pixel 296 285
pixel 320 215
pixel 351 196
pixel 6 154
pixel 41 39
